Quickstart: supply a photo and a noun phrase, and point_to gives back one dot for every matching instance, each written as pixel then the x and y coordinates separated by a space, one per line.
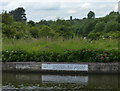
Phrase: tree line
pixel 15 25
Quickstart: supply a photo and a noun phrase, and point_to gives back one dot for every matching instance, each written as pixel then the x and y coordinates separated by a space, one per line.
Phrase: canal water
pixel 43 82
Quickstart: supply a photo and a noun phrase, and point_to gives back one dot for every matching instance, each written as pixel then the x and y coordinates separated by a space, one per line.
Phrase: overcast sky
pixel 52 9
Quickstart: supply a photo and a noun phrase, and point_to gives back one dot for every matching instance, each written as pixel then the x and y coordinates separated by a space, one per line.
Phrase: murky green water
pixel 42 82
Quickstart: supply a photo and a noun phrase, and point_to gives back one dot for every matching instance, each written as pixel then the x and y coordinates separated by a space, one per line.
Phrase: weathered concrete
pixel 112 67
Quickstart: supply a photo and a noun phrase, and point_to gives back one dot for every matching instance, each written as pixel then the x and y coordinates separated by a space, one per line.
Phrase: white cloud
pixel 115 6
pixel 50 9
pixel 86 6
pixel 71 12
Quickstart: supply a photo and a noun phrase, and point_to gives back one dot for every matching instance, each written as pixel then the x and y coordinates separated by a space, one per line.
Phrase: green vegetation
pixel 74 50
pixel 84 55
pixel 59 45
pixel 15 25
pixel 73 40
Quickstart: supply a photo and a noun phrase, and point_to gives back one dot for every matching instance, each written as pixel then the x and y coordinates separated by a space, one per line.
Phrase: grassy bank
pixel 74 50
pixel 34 45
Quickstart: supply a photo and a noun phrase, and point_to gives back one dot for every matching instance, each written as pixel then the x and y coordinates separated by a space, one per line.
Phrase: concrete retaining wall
pixel 36 67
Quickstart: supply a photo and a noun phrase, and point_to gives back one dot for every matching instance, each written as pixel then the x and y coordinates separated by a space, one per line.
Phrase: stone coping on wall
pixel 66 67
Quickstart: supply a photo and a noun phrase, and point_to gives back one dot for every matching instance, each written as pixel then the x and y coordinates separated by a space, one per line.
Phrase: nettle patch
pixel 68 55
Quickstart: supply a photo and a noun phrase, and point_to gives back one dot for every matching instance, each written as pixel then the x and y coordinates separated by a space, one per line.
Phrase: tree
pixel 118 18
pixel 35 32
pixel 112 26
pixel 91 15
pixel 47 32
pixel 8 31
pixel 99 27
pixel 114 15
pixel 88 27
pixel 94 36
pixel 0 18
pixel 6 18
pixel 32 23
pixel 78 27
pixel 18 14
pixel 20 29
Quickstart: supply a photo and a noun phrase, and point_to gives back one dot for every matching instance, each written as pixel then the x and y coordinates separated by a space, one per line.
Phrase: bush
pixel 47 32
pixel 35 32
pixel 112 26
pixel 94 36
pixel 99 35
pixel 115 34
pixel 99 27
pixel 84 55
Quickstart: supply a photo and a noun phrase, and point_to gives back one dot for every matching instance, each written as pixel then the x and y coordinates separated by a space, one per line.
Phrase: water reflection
pixel 65 79
pixel 47 81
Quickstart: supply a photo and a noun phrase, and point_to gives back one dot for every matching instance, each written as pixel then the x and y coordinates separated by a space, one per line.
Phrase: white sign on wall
pixel 72 67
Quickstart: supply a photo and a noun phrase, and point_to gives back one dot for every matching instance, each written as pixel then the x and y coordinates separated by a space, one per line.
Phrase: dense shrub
pixel 84 55
pixel 99 35
pixel 99 27
pixel 112 26
pixel 94 36
pixel 115 34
